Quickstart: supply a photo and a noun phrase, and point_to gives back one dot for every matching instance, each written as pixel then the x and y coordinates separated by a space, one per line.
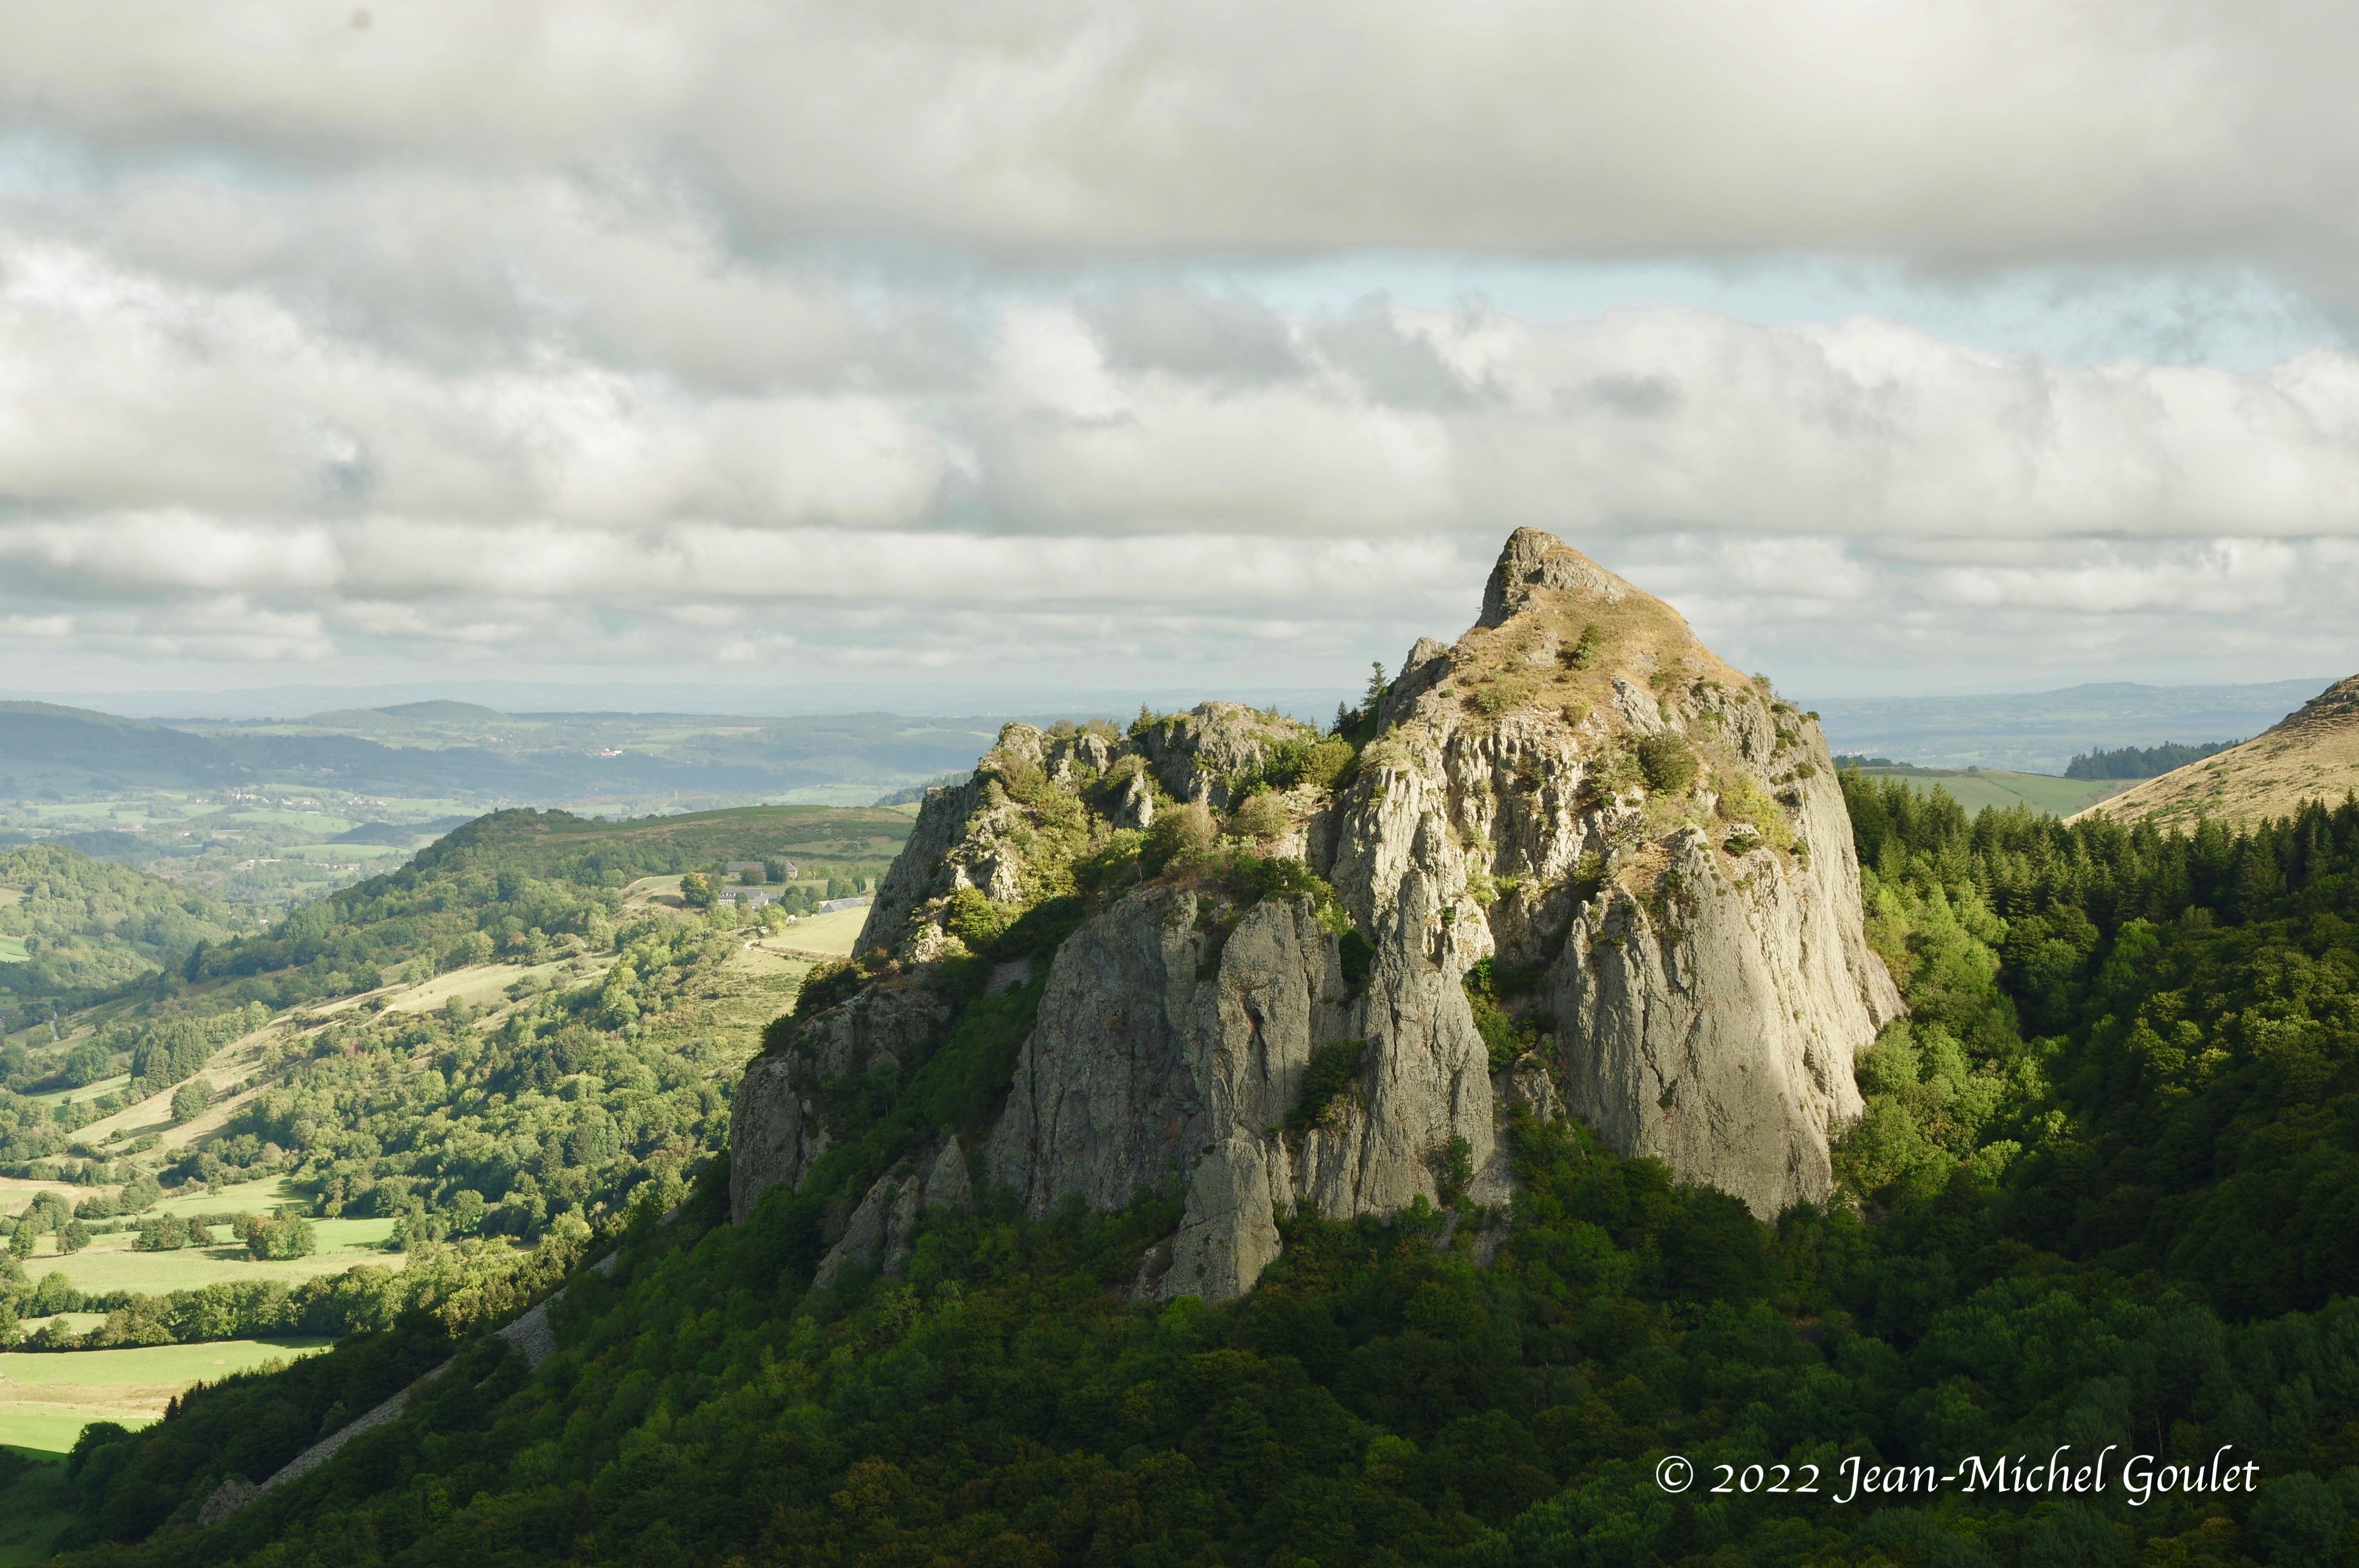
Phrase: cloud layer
pixel 876 340
pixel 1930 128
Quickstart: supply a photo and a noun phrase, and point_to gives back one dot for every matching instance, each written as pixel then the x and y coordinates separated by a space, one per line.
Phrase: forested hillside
pixel 2140 762
pixel 492 1049
pixel 2103 1195
pixel 75 925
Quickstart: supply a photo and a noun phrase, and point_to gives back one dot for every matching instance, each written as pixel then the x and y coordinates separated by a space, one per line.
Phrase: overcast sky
pixel 1904 347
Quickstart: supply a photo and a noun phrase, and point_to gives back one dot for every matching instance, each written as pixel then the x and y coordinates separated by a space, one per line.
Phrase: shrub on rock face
pixel 1582 654
pixel 1263 815
pixel 1327 766
pixel 1182 831
pixel 975 920
pixel 1334 1067
pixel 1669 765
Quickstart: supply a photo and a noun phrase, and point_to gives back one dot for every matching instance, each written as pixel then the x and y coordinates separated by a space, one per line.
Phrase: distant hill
pixel 463 752
pixel 71 922
pixel 2311 754
pixel 2040 732
pixel 43 746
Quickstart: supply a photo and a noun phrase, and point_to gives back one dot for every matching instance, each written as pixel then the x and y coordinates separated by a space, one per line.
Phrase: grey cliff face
pixel 1172 1041
pixel 775 1132
pixel 882 1232
pixel 1651 850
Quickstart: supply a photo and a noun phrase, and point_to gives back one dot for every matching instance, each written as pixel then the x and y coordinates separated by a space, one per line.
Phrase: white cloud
pixel 1932 127
pixel 621 334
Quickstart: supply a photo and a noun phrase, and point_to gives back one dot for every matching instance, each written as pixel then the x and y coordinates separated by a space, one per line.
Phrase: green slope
pixel 2133 1232
pixel 475 1059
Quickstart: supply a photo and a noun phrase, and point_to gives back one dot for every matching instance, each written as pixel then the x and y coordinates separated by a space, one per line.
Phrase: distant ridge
pixel 2040 732
pixel 2312 754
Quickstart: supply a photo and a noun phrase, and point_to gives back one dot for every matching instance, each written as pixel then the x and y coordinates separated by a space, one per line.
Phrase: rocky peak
pixel 1250 944
pixel 1537 560
pixel 2336 708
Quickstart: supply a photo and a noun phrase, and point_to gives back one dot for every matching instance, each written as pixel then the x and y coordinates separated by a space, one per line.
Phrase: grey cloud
pixel 1229 342
pixel 1633 396
pixel 1953 135
pixel 1396 366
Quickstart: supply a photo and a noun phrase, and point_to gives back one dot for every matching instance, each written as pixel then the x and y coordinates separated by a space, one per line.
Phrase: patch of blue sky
pixel 2236 317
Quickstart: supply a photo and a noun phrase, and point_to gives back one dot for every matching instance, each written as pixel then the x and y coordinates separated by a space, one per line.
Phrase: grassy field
pixel 88 1091
pixel 108 1263
pixel 12 951
pixel 257 1196
pixel 484 986
pixel 17 1194
pixel 326 826
pixel 824 932
pixel 1993 786
pixel 342 854
pixel 46 1400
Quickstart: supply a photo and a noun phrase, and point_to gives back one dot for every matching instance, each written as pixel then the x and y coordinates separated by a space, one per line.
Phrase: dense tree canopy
pixel 89 925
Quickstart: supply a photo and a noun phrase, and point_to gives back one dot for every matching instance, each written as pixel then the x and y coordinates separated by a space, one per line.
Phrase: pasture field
pixel 12 951
pixel 1993 787
pixel 17 1194
pixel 229 1073
pixel 326 825
pixel 649 890
pixel 485 987
pixel 88 1091
pixel 824 932
pixel 46 1399
pixel 258 1196
pixel 108 1263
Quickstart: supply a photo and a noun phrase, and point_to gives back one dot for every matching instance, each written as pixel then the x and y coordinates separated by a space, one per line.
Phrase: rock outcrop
pixel 774 1130
pixel 1173 1042
pixel 882 1230
pixel 1648 848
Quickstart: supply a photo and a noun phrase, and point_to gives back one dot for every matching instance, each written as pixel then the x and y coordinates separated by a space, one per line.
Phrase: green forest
pixel 76 926
pixel 482 1131
pixel 2105 1193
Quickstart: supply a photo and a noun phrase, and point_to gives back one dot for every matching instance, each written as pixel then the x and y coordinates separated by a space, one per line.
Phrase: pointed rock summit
pixel 1222 955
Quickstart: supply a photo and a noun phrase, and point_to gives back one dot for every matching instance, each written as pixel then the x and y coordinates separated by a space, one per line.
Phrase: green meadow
pixel 108 1263
pixel 47 1399
pixel 2004 790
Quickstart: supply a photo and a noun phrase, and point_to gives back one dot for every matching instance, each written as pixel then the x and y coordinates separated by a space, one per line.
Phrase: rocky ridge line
pixel 1650 850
